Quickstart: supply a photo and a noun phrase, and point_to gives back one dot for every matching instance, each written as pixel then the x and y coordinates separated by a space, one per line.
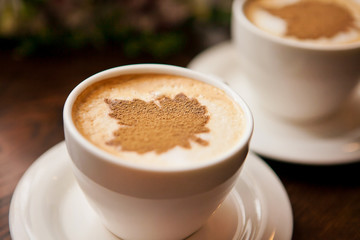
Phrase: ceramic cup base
pixel 48 204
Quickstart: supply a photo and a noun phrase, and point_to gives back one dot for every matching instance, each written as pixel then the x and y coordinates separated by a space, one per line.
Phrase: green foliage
pixel 51 27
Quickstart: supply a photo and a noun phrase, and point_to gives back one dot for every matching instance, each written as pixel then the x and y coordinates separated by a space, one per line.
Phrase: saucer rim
pixel 282 223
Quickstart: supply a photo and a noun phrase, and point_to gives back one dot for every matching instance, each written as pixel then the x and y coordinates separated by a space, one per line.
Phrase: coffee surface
pixel 321 21
pixel 158 119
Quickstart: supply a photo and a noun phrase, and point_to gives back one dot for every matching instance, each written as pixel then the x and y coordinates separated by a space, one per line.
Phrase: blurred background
pixel 157 28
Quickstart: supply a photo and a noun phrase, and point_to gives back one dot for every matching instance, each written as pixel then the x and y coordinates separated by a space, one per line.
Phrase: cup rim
pixel 238 14
pixel 161 69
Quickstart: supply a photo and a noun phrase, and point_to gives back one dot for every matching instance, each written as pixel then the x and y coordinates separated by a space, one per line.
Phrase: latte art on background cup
pixel 313 21
pixel 155 148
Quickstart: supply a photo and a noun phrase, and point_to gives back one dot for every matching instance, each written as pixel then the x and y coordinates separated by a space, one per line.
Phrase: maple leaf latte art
pixel 158 119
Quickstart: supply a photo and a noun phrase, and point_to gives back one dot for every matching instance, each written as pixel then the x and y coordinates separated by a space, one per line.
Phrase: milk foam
pixel 255 12
pixel 226 124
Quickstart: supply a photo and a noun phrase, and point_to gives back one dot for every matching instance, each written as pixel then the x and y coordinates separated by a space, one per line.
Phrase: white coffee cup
pixel 139 202
pixel 293 79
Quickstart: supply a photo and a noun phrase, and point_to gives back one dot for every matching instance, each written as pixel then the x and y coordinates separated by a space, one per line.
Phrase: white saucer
pixel 48 204
pixel 334 141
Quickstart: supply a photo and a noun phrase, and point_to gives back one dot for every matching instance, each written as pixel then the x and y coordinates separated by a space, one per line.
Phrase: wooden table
pixel 325 200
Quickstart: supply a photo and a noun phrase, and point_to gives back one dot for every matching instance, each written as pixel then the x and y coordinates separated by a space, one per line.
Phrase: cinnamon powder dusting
pixel 313 19
pixel 158 125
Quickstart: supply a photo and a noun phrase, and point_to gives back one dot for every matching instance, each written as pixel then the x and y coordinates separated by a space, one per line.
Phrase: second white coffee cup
pixel 296 80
